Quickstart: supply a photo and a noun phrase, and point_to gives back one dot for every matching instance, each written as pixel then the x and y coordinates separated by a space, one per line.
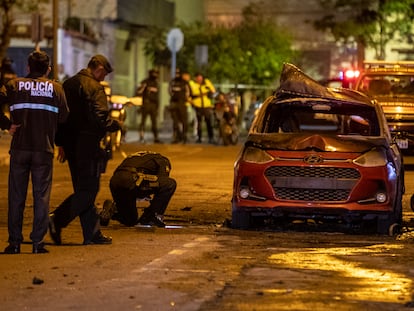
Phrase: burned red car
pixel 320 155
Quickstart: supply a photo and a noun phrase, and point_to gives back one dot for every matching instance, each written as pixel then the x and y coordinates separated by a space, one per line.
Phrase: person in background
pixel 6 71
pixel 142 175
pixel 79 143
pixel 37 106
pixel 62 75
pixel 149 90
pixel 6 74
pixel 202 90
pixel 179 90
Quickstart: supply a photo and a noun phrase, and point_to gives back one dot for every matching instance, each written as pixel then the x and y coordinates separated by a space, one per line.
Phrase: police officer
pixel 149 90
pixel 79 141
pixel 37 105
pixel 144 174
pixel 179 90
pixel 6 71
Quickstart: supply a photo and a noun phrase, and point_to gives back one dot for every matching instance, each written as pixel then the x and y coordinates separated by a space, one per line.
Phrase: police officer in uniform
pixel 179 90
pixel 149 90
pixel 144 174
pixel 37 106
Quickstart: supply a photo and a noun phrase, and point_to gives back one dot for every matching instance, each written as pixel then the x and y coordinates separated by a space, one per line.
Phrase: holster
pixel 152 180
pixel 102 159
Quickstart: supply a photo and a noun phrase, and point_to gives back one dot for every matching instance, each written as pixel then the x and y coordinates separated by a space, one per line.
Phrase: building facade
pixel 119 30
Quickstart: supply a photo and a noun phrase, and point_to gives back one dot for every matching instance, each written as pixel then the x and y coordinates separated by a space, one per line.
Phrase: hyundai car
pixel 318 155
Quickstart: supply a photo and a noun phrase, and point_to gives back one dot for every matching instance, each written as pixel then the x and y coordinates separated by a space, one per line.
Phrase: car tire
pixel 394 229
pixel 412 202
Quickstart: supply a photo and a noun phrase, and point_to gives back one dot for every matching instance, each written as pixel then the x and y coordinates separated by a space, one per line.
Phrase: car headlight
pixel 372 158
pixel 244 192
pixel 256 155
pixel 381 197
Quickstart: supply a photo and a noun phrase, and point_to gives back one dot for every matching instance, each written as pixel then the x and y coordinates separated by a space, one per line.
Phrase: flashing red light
pixel 351 74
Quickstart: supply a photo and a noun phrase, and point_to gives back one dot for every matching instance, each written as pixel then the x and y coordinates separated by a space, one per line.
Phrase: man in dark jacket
pixel 37 106
pixel 149 90
pixel 179 90
pixel 80 138
pixel 141 175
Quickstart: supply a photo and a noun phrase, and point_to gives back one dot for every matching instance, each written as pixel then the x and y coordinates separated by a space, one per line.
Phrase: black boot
pixel 39 248
pixel 12 248
pixel 99 238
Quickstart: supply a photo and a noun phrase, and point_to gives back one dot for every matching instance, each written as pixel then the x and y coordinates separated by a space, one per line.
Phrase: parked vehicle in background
pixel 318 154
pixel 225 115
pixel 117 112
pixel 251 113
pixel 116 105
pixel 392 85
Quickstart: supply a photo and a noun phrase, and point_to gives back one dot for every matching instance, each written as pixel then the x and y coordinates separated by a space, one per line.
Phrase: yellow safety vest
pixel 200 94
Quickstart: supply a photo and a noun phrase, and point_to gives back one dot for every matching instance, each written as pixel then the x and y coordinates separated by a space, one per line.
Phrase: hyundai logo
pixel 313 159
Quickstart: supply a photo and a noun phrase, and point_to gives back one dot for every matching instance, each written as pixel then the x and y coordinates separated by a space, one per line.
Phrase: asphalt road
pixel 202 264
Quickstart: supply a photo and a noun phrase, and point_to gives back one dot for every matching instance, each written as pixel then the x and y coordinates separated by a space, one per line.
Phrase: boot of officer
pixel 142 175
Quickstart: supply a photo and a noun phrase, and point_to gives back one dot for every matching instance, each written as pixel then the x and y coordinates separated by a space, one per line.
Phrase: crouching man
pixel 142 175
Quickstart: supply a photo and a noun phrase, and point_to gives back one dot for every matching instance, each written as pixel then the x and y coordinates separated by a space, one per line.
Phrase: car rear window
pixel 320 117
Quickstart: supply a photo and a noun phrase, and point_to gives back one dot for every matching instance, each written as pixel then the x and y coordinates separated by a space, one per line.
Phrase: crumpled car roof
pixel 295 83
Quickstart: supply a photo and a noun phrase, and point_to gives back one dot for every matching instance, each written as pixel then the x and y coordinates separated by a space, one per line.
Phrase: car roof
pixel 296 84
pixel 297 88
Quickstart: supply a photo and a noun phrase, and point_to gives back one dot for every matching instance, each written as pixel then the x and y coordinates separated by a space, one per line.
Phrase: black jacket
pixel 146 162
pixel 179 90
pixel 38 105
pixel 88 106
pixel 149 90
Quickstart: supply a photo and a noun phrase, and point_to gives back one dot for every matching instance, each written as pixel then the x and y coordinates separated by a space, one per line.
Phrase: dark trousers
pixel 125 199
pixel 179 116
pixel 40 166
pixel 151 110
pixel 205 114
pixel 84 169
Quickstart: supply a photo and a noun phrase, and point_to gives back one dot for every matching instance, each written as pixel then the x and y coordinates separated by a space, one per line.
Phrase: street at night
pixel 199 263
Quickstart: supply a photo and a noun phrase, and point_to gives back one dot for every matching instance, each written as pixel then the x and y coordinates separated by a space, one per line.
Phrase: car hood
pixel 323 143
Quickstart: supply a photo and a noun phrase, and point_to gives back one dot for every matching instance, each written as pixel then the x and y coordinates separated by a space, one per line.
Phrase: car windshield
pixel 310 116
pixel 385 85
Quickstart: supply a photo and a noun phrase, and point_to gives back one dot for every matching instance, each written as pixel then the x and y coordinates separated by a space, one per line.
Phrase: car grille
pixel 312 183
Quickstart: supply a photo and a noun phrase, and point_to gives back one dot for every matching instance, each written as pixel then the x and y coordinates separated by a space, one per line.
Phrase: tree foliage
pixel 7 7
pixel 251 52
pixel 6 23
pixel 369 23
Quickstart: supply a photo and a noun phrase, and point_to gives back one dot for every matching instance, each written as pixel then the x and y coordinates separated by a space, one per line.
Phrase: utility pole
pixel 55 39
pixel 37 29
